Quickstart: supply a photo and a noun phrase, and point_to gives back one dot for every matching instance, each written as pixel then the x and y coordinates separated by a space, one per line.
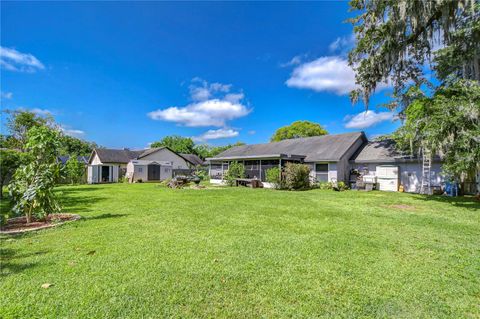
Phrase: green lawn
pixel 149 252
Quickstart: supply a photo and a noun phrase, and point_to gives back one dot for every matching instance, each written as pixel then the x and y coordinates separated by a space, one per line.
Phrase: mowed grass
pixel 142 251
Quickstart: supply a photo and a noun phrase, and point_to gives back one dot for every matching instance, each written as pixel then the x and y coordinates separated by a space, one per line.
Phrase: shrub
pixel 235 170
pixel 297 176
pixel 274 176
pixel 75 170
pixel 325 185
pixel 342 186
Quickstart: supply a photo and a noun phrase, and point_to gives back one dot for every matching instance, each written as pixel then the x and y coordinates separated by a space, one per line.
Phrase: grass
pixel 144 251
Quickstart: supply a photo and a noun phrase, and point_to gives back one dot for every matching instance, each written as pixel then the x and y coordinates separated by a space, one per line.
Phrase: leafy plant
pixel 325 185
pixel 274 176
pixel 235 170
pixel 75 170
pixel 297 176
pixel 32 185
pixel 10 160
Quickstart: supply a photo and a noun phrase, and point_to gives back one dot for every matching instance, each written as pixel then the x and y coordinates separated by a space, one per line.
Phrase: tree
pixel 447 123
pixel 176 143
pixel 19 123
pixel 74 170
pixel 204 150
pixel 10 160
pixel 396 38
pixel 32 185
pixel 70 145
pixel 298 129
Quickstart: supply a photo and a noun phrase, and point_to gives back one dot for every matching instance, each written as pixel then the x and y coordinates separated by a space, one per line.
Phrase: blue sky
pixel 126 74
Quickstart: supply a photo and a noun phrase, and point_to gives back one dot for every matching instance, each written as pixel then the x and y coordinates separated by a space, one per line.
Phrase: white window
pixel 140 169
pixel 321 172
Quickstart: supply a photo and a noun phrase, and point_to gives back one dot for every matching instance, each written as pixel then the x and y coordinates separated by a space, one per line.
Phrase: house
pixel 155 164
pixel 330 158
pixel 327 156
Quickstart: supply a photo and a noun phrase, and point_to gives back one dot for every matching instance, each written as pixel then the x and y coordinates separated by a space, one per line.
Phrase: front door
pixel 105 174
pixel 153 172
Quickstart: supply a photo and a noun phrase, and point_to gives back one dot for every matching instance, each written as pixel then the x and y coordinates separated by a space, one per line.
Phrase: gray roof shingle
pixel 107 155
pixel 192 158
pixel 317 148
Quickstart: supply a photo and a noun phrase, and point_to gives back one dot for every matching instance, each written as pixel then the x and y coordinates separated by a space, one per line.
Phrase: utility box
pixel 388 177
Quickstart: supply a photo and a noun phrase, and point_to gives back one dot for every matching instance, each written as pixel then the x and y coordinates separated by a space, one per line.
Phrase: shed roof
pixel 383 151
pixel 317 148
pixel 192 158
pixel 107 155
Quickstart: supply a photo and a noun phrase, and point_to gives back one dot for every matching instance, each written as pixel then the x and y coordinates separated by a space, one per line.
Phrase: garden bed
pixel 19 224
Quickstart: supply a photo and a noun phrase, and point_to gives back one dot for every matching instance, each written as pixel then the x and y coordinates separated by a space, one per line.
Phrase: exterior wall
pixel 96 160
pixel 94 173
pixel 343 166
pixel 332 171
pixel 168 156
pixel 410 174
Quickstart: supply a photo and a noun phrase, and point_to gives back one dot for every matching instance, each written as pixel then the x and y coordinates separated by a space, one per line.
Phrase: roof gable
pixel 107 155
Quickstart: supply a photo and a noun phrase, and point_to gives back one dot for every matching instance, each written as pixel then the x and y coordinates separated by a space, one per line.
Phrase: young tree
pixel 74 170
pixel 298 129
pixel 70 145
pixel 176 143
pixel 395 40
pixel 10 160
pixel 235 170
pixel 32 185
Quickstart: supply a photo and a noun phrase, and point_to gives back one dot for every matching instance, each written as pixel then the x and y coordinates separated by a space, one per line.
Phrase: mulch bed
pixel 19 224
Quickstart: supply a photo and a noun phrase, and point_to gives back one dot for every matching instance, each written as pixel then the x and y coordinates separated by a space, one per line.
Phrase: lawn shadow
pixel 9 260
pixel 73 200
pixel 105 216
pixel 468 202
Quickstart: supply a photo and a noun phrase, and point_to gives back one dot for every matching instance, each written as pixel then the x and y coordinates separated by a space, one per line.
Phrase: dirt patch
pixel 402 207
pixel 19 224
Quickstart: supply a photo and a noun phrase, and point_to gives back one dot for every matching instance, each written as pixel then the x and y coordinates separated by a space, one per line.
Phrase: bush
pixel 325 185
pixel 297 176
pixel 235 170
pixel 342 186
pixel 274 176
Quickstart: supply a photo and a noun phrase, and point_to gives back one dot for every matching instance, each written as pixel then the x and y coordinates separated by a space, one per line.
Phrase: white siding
pixel 168 156
pixel 96 160
pixel 410 174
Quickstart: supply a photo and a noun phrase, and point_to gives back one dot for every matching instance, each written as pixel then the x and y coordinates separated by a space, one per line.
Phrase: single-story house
pixel 330 158
pixel 155 164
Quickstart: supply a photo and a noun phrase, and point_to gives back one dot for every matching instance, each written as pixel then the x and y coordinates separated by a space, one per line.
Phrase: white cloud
pixel 206 113
pixel 201 90
pixel 216 134
pixel 6 95
pixel 71 132
pixel 41 112
pixel 213 105
pixel 252 132
pixel 342 44
pixel 13 60
pixel 296 60
pixel 367 119
pixel 330 74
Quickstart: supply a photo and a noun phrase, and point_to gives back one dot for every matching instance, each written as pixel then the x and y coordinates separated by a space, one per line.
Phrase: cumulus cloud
pixel 71 132
pixel 330 74
pixel 213 105
pixel 368 118
pixel 41 112
pixel 13 60
pixel 296 60
pixel 215 134
pixel 6 95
